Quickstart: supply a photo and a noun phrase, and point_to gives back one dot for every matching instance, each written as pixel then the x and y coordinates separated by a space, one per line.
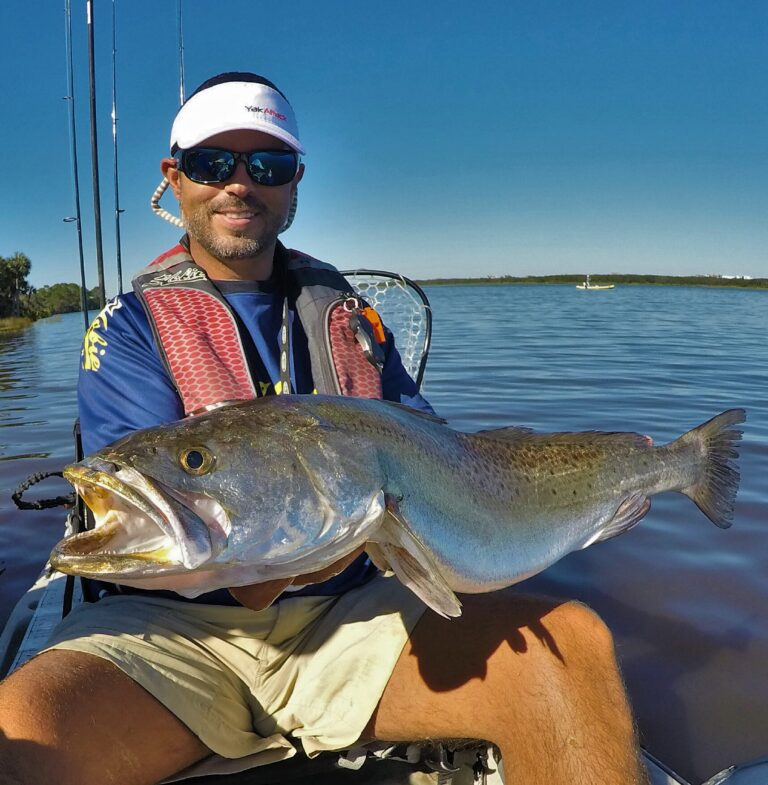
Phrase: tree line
pixel 19 299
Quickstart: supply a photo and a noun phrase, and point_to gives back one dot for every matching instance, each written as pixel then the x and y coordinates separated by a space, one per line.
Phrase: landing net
pixel 404 308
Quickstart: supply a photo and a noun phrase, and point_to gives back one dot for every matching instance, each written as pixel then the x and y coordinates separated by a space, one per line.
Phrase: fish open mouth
pixel 141 525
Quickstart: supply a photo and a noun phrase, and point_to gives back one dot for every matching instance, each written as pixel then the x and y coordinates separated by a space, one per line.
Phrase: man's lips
pixel 236 219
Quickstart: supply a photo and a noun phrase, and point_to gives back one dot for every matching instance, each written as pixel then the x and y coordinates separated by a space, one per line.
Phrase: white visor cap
pixel 235 106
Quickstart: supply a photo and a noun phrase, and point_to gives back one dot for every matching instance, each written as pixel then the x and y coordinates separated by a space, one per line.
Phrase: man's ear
pixel 296 180
pixel 170 170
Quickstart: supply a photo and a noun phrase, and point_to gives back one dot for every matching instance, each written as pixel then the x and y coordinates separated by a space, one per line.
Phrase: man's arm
pixel 396 384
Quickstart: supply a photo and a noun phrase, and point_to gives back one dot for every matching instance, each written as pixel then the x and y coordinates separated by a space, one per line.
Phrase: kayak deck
pixel 32 620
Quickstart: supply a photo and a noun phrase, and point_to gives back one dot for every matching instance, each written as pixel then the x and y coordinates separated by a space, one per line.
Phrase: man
pixel 141 685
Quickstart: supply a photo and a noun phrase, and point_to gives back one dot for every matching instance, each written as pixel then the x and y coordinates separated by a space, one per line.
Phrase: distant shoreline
pixel 618 279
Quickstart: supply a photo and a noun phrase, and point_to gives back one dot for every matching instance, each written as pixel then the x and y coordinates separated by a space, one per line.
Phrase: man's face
pixel 237 219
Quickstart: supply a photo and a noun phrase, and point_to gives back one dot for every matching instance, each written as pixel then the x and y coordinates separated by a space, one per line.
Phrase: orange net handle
pixel 375 320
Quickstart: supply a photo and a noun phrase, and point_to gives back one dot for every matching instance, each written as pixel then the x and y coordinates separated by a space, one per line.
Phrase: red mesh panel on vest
pixel 197 331
pixel 356 375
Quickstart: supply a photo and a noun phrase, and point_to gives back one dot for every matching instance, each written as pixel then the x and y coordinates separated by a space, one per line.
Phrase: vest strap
pixel 196 332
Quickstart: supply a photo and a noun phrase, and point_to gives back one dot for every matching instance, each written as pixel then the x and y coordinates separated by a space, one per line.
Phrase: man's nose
pixel 240 182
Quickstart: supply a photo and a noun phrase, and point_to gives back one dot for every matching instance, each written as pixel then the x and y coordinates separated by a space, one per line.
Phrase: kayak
pixel 587 284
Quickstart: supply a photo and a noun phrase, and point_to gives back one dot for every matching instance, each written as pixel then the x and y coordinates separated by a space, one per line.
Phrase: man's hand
pixel 258 596
pixel 328 572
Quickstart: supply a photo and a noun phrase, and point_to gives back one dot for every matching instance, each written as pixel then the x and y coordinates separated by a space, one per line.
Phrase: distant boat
pixel 587 285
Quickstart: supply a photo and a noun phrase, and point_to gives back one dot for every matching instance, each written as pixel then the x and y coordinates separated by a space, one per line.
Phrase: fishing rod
pixel 70 98
pixel 180 33
pixel 115 178
pixel 95 156
pixel 154 201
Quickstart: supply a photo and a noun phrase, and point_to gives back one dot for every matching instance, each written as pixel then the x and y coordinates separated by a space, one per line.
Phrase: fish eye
pixel 196 461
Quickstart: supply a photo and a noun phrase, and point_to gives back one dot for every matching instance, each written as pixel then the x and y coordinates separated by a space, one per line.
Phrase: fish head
pixel 272 487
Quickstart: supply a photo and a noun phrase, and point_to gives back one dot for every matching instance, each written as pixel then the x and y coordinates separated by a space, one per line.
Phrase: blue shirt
pixel 124 386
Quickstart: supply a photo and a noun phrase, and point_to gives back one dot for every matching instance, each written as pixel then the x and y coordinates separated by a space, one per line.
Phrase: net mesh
pixel 405 310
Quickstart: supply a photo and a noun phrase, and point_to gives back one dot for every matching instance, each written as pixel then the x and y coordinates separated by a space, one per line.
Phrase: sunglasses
pixel 212 165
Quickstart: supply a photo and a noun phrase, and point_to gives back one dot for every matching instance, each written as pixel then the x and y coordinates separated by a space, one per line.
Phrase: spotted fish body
pixel 287 485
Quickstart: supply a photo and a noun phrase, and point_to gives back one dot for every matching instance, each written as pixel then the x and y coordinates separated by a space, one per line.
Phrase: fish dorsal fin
pixel 629 513
pixel 397 548
pixel 416 412
pixel 512 433
pixel 518 433
pixel 617 438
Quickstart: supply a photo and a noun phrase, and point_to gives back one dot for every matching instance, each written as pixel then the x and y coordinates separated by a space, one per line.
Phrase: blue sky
pixel 443 138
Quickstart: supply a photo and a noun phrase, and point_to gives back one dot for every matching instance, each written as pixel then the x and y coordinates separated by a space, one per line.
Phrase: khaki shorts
pixel 309 668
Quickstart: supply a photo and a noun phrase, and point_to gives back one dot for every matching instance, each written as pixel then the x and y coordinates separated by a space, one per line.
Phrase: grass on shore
pixel 14 323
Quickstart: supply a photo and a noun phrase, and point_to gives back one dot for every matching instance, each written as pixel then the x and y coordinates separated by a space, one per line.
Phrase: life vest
pixel 199 338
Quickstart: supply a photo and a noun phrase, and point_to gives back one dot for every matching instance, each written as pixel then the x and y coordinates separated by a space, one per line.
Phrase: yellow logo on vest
pixel 94 343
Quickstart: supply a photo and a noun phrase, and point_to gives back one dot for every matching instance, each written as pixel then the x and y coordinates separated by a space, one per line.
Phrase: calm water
pixel 38 373
pixel 687 602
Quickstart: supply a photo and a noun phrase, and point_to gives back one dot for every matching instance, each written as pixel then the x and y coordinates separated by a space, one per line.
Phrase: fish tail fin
pixel 715 492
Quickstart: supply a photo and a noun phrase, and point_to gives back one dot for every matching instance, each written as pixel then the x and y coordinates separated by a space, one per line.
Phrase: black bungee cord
pixel 42 504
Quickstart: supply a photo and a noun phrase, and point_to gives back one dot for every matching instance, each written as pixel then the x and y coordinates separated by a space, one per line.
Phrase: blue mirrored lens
pixel 208 166
pixel 272 167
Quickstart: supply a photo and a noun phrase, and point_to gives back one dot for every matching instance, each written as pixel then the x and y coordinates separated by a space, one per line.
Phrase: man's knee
pixel 575 650
pixel 17 753
pixel 63 705
pixel 583 624
pixel 585 671
pixel 563 647
pixel 563 630
pixel 517 637
pixel 21 754
pixel 42 735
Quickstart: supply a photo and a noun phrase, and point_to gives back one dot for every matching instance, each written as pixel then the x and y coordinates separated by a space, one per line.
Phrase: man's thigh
pixel 456 677
pixel 70 718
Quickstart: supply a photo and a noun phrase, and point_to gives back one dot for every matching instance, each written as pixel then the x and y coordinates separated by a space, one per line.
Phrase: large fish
pixel 287 485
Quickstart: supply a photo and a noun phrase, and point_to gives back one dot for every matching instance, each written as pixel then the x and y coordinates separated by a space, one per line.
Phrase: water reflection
pixel 38 372
pixel 15 349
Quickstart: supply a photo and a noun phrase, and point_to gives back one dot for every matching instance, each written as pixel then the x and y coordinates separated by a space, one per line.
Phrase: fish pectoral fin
pixel 425 584
pixel 629 513
pixel 397 547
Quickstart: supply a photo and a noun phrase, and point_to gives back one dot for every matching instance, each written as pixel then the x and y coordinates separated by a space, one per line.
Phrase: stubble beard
pixel 237 245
